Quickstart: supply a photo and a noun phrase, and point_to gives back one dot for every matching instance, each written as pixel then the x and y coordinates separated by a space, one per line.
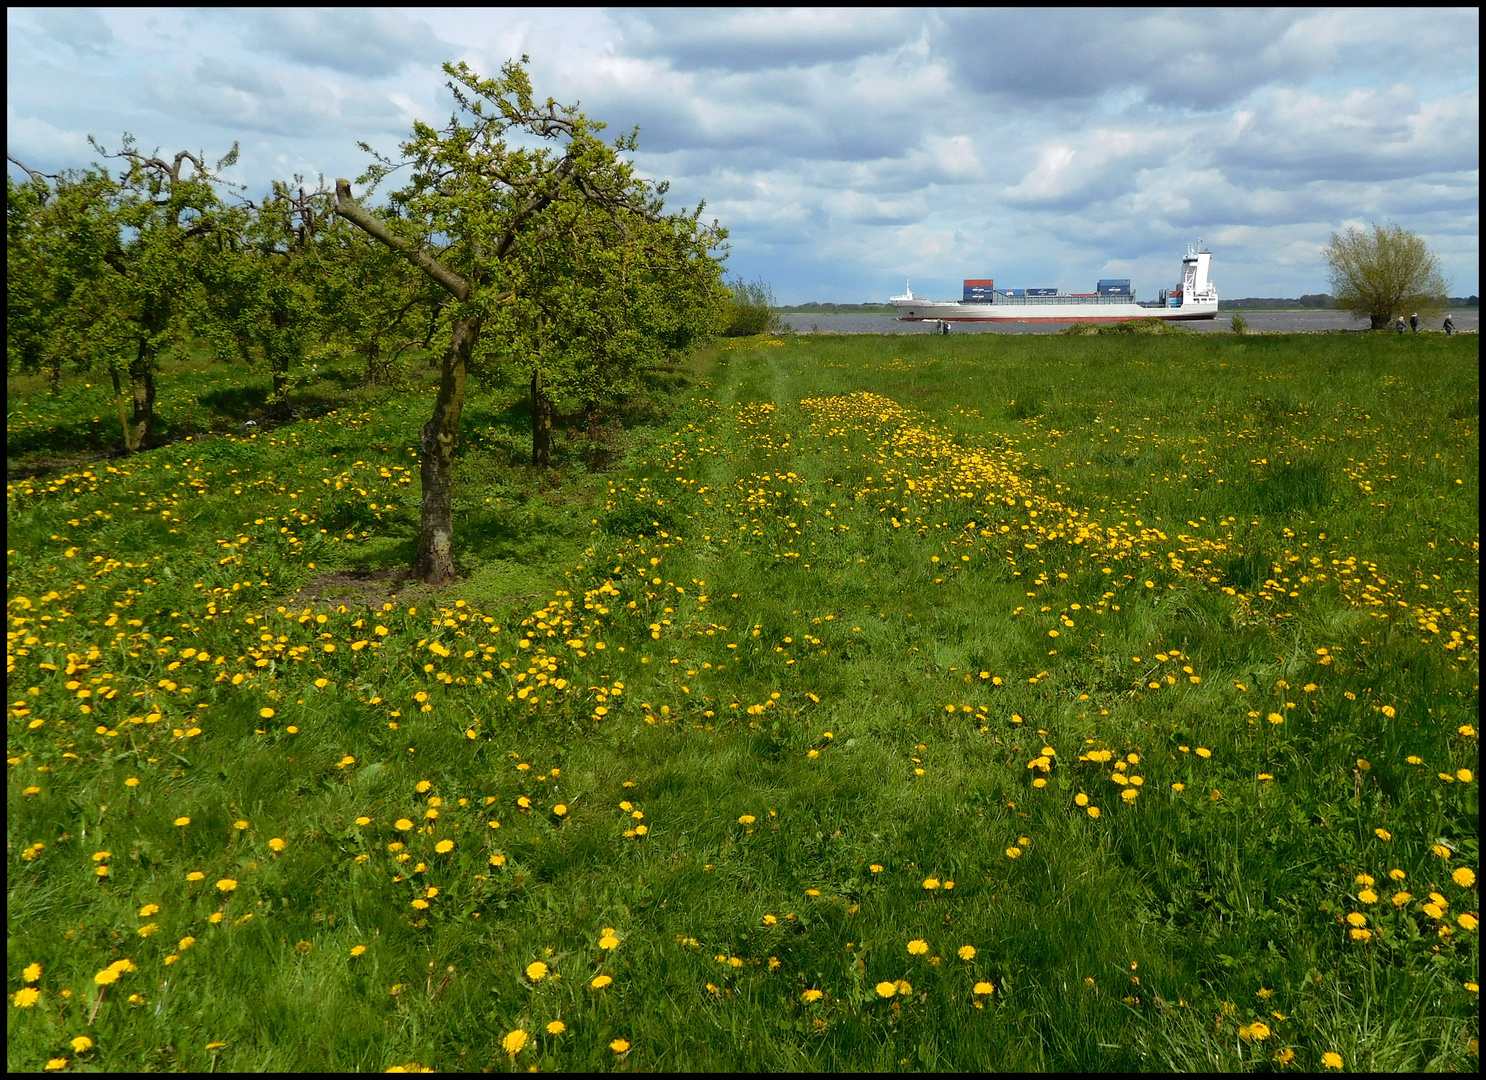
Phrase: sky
pixel 847 150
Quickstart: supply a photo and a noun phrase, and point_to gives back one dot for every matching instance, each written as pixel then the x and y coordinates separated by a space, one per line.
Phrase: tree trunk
pixel 434 562
pixel 124 432
pixel 55 375
pixel 541 423
pixel 278 363
pixel 142 387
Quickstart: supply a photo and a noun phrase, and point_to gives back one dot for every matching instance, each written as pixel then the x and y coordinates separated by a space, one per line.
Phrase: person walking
pixel 1414 322
pixel 1449 326
pixel 1400 326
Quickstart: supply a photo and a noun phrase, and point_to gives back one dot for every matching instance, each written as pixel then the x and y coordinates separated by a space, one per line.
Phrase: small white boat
pixel 1112 301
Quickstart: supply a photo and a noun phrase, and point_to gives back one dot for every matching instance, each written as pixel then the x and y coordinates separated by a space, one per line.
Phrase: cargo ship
pixel 1113 300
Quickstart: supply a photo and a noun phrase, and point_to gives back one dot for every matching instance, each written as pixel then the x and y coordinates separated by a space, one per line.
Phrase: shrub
pixel 750 309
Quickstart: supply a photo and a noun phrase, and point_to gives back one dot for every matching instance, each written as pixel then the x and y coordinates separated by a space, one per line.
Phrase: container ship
pixel 1112 301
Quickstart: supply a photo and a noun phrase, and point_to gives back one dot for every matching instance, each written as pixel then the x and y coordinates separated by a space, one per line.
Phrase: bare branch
pixel 352 211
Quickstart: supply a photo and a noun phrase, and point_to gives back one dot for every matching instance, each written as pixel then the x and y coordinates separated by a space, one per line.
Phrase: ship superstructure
pixel 1113 300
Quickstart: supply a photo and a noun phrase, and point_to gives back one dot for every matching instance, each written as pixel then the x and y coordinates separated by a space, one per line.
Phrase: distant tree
pixel 473 205
pixel 1384 273
pixel 615 297
pixel 374 304
pixel 166 212
pixel 261 290
pixel 58 230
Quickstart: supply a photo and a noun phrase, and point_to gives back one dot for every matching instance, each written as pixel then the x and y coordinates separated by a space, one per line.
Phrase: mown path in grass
pixel 935 704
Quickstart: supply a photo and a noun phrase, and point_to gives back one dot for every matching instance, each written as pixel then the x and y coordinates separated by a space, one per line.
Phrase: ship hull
pixel 1053 312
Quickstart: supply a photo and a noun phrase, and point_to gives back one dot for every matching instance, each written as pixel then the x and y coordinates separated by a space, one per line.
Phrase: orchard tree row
pixel 520 246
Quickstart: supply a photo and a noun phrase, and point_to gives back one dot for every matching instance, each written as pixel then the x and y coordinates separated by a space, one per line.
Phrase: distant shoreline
pixel 1241 304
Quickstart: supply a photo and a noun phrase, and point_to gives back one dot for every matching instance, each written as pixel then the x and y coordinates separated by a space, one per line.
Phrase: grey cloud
pixel 81 29
pixel 754 39
pixel 1198 60
pixel 357 41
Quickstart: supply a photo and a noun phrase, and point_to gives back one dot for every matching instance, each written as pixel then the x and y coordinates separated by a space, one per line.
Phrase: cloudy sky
pixel 849 149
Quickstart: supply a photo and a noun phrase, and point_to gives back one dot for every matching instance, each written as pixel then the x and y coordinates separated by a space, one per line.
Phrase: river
pixel 1274 322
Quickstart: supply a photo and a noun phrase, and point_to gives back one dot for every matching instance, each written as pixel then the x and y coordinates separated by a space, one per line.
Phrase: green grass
pixel 785 651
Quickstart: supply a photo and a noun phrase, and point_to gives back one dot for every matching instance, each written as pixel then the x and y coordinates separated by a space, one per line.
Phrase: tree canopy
pixel 542 234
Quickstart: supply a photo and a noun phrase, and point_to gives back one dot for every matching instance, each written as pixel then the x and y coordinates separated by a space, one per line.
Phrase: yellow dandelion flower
pixel 183 821
pixel 27 996
pixel 1331 1060
pixel 277 843
pixel 56 1063
pixel 600 981
pixel 967 952
pixel 556 1027
pixel 106 976
pixel 917 947
pixel 931 883
pixel 514 1041
pixel 983 988
pixel 811 996
pixel 1464 876
pixel 31 972
pixel 887 989
pixel 82 1044
pixel 226 884
pixel 619 1046
pixel 443 847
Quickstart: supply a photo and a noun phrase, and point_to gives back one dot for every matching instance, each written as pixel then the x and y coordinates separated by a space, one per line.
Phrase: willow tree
pixel 498 182
pixel 1384 273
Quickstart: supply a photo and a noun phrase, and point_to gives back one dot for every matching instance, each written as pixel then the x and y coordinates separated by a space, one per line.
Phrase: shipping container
pixel 987 282
pixel 1114 281
pixel 1042 292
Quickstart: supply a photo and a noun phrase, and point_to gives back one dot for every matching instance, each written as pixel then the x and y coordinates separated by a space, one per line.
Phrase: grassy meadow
pixel 983 702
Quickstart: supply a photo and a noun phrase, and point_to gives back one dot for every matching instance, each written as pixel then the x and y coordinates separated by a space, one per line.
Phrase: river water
pixel 1288 322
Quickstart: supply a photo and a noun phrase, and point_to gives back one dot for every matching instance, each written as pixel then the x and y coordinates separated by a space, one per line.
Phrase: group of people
pixel 1413 324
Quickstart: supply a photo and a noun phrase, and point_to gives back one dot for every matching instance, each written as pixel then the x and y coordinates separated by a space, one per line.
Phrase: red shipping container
pixel 980 281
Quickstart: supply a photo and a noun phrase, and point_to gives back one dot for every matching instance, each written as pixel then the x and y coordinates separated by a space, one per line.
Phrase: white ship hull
pixel 1053 311
pixel 1195 298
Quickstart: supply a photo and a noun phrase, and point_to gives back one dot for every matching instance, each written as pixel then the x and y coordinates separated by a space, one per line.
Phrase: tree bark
pixel 434 562
pixel 541 423
pixel 278 363
pixel 123 414
pixel 142 387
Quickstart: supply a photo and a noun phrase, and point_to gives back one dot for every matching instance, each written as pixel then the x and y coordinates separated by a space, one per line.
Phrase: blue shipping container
pixel 1042 292
pixel 1114 281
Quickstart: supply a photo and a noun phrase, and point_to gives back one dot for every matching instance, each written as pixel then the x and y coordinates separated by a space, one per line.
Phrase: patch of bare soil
pixel 363 588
